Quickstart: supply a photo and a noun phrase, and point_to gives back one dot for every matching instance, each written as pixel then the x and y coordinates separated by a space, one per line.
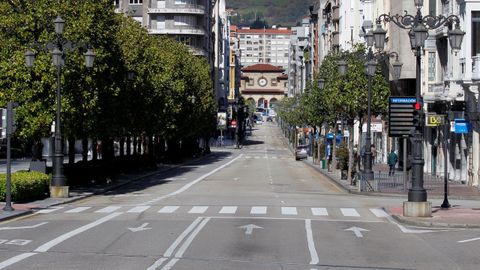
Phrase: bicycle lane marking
pixel 189 185
pixel 45 247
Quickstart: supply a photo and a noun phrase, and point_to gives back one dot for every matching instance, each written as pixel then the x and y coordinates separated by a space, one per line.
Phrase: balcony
pixel 178 31
pixel 476 67
pixel 189 9
pixel 336 13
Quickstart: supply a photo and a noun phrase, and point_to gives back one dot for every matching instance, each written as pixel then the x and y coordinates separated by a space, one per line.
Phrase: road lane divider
pixel 189 185
pixel 311 244
pixel 16 259
pixel 171 249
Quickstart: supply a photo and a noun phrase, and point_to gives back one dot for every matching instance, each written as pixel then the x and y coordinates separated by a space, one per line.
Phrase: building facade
pixel 269 46
pixel 264 84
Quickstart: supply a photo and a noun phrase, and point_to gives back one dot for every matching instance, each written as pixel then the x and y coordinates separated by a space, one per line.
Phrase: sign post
pixel 400 115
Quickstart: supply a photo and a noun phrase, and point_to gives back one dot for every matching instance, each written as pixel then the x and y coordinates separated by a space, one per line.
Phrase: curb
pixel 17 214
pixel 421 223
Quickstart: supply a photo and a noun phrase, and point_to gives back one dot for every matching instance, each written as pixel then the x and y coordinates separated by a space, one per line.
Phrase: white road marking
pixel 378 212
pixel 469 240
pixel 187 186
pixel 22 227
pixel 258 210
pixel 16 259
pixel 78 209
pixel 189 240
pixel 168 209
pixel 157 263
pixel 108 209
pixel 249 228
pixel 228 210
pixel 138 209
pixel 140 228
pixel 319 211
pixel 289 211
pixel 406 230
pixel 180 238
pixel 198 210
pixel 349 212
pixel 170 264
pixel 311 244
pixel 49 210
pixel 45 247
pixel 357 231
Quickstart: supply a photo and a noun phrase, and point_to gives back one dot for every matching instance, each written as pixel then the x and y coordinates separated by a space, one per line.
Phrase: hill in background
pixel 274 12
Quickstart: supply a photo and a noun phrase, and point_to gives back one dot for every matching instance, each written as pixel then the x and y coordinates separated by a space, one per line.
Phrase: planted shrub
pixel 25 185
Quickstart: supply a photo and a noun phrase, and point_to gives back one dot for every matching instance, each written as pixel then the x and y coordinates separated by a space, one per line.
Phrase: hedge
pixel 26 185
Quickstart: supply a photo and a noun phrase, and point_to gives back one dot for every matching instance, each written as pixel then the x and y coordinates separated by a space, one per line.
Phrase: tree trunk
pixel 129 146
pixel 350 153
pixel 71 150
pixel 334 146
pixel 360 144
pixel 84 149
pixel 122 147
pixel 94 150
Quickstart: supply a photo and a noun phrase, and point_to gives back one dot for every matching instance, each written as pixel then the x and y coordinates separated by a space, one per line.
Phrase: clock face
pixel 262 82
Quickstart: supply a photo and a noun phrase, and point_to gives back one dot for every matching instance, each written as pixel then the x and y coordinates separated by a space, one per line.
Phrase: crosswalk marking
pixel 108 209
pixel 378 212
pixel 138 209
pixel 319 211
pixel 289 211
pixel 198 210
pixel 228 210
pixel 78 209
pixel 168 209
pixel 258 210
pixel 349 212
pixel 49 210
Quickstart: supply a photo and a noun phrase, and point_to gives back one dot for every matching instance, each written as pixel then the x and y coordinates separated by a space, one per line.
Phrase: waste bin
pixel 324 164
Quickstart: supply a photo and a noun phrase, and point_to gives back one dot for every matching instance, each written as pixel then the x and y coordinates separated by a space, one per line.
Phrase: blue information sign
pixel 403 100
pixel 462 126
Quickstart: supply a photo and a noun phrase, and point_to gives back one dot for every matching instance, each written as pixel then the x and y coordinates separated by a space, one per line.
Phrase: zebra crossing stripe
pixel 228 210
pixel 108 209
pixel 138 209
pixel 78 209
pixel 49 210
pixel 289 211
pixel 258 210
pixel 198 210
pixel 319 211
pixel 380 213
pixel 349 212
pixel 168 209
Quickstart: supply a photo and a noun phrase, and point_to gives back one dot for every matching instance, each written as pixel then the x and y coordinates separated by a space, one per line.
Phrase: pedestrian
pixel 392 161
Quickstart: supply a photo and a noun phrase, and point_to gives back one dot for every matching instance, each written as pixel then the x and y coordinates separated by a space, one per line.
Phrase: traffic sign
pixel 400 114
pixel 462 126
pixel 435 120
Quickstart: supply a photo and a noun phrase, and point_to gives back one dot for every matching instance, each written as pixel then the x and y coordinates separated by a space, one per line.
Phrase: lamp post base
pixel 417 209
pixel 59 192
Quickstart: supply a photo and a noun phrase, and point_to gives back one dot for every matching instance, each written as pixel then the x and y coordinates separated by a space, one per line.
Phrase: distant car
pixel 301 152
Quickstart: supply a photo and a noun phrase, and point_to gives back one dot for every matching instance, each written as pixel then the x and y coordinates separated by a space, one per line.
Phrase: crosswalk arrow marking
pixel 249 228
pixel 357 230
pixel 143 227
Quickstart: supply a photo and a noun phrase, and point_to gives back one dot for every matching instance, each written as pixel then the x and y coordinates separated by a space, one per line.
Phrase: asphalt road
pixel 253 208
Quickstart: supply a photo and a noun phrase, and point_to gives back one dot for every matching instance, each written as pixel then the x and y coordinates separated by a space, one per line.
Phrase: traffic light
pixel 417 114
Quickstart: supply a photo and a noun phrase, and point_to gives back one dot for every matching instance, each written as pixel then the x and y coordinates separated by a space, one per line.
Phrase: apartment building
pixel 269 46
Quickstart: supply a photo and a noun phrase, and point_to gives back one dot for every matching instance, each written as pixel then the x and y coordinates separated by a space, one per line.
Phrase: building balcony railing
pixel 197 51
pixel 336 13
pixel 188 9
pixel 177 31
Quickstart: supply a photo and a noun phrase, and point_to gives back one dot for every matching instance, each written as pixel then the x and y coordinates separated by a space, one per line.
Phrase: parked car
pixel 301 152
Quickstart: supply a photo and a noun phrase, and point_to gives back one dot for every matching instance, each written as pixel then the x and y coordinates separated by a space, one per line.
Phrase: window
pixel 184 20
pixel 184 2
pixel 116 3
pixel 136 2
pixel 475 33
pixel 273 81
pixel 250 81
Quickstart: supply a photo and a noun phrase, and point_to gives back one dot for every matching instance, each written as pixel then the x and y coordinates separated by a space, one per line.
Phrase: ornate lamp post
pixel 59 47
pixel 419 26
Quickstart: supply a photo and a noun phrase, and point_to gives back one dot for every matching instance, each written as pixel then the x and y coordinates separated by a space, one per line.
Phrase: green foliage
pixel 102 102
pixel 25 185
pixel 275 12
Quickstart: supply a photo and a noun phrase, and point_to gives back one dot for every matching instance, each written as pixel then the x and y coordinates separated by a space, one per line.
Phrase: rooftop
pixel 263 68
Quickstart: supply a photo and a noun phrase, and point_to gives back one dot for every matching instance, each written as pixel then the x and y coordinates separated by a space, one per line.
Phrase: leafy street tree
pixel 141 86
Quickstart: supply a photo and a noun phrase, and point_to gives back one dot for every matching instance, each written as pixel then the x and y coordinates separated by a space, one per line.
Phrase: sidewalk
pixel 457 216
pixel 84 192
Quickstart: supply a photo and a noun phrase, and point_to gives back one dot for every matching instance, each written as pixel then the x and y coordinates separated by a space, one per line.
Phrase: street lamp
pixel 59 47
pixel 446 131
pixel 419 25
pixel 321 83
